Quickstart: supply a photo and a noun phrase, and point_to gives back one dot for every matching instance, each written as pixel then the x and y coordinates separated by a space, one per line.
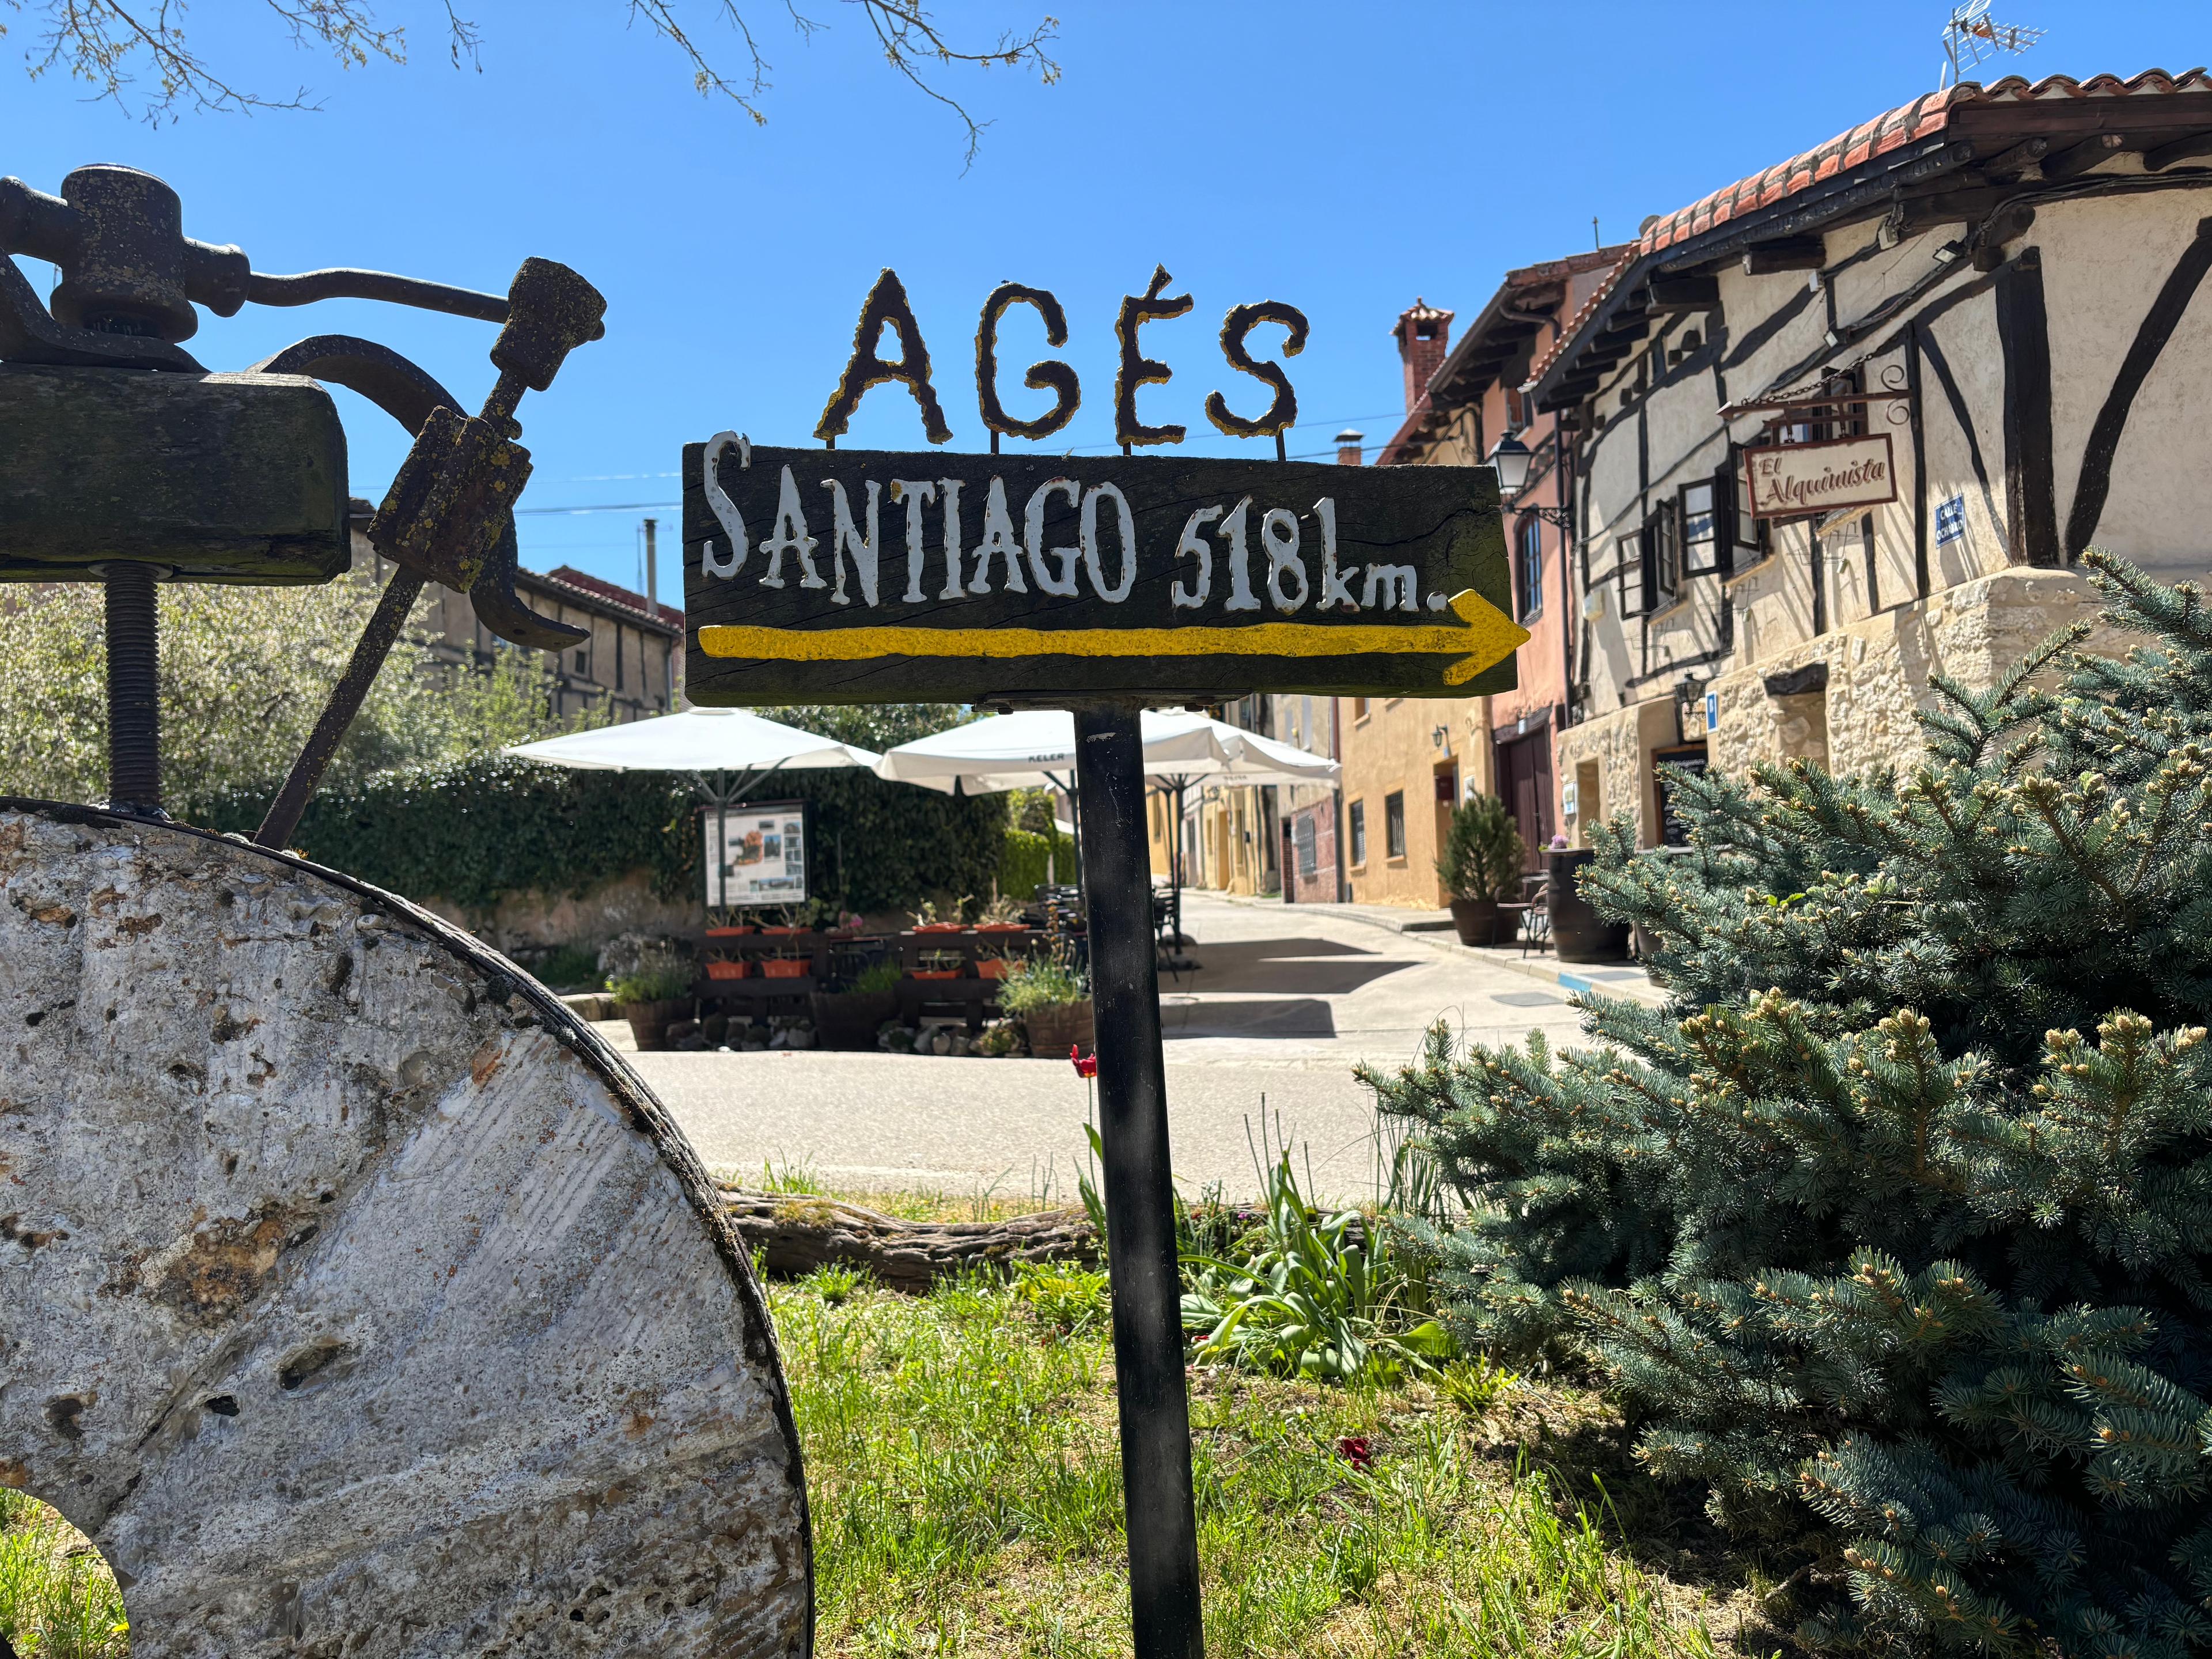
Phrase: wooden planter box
pixel 1053 1031
pixel 649 1021
pixel 850 1019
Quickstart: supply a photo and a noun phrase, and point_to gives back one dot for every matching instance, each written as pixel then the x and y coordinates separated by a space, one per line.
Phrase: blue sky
pixel 1341 157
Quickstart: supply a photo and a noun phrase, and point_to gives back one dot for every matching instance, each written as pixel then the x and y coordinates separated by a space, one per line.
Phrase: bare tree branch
pixel 107 45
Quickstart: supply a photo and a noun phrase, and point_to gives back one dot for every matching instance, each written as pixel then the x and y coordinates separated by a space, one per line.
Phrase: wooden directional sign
pixel 817 575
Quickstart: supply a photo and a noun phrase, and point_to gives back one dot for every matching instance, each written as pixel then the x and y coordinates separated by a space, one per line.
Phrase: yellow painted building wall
pixel 1399 745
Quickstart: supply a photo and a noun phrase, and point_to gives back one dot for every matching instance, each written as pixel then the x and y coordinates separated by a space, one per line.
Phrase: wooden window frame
pixel 1528 568
pixel 1717 542
pixel 1394 824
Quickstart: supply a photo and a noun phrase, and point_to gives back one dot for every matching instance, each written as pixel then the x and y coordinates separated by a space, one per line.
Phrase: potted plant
pixel 1482 863
pixel 926 921
pixel 655 992
pixel 1001 916
pixel 941 965
pixel 851 1018
pixel 1051 998
pixel 720 966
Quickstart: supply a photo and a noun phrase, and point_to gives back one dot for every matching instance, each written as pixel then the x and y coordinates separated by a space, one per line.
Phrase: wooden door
pixel 1525 784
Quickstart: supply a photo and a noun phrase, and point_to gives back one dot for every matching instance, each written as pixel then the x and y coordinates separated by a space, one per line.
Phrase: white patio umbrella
pixel 732 751
pixel 1011 751
pixel 696 740
pixel 1014 752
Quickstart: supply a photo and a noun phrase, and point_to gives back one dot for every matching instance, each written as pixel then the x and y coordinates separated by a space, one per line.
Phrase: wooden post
pixel 1140 1222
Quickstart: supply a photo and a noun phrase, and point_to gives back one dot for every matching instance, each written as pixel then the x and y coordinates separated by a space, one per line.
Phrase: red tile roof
pixel 1923 117
pixel 563 575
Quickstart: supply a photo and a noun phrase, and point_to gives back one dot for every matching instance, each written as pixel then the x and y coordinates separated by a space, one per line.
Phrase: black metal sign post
pixel 1104 586
pixel 1140 1222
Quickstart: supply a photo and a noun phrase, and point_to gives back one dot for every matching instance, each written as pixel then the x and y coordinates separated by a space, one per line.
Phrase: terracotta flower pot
pixel 728 969
pixel 1053 1031
pixel 785 968
pixel 649 1021
pixel 1479 921
pixel 993 966
pixel 934 973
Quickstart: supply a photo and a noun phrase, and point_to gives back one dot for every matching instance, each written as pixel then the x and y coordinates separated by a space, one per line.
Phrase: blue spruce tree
pixel 1894 1226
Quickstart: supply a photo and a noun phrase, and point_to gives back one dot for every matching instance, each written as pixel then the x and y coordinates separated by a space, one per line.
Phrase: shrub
pixel 1483 851
pixel 1043 982
pixel 1025 859
pixel 658 973
pixel 1898 1219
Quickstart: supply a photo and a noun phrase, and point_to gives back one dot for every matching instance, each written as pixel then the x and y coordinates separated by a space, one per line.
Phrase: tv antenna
pixel 1973 37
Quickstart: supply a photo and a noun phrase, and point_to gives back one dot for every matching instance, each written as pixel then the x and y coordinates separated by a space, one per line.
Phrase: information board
pixel 756 855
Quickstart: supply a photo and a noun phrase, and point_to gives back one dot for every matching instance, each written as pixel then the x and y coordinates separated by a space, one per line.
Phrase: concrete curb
pixel 1607 979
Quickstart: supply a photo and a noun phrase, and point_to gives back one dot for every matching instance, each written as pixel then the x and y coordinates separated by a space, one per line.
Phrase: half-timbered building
pixel 1848 424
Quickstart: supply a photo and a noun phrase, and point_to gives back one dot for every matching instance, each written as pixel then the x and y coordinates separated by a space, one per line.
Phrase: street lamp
pixel 1511 459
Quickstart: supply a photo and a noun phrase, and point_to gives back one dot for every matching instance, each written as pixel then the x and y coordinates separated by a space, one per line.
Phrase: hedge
pixel 1022 865
pixel 475 830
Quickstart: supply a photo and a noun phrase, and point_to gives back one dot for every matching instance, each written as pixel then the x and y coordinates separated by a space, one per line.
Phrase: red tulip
pixel 1357 1450
pixel 1085 1065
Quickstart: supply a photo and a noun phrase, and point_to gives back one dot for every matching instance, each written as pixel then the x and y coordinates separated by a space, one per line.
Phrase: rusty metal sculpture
pixel 354 1298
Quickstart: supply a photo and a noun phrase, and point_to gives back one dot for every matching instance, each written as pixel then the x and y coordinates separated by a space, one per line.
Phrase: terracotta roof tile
pixel 564 575
pixel 1573 326
pixel 1908 123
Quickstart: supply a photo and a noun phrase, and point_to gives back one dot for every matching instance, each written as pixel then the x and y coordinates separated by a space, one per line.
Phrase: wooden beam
pixel 2079 158
pixel 220 477
pixel 2019 158
pixel 2188 148
pixel 1919 213
pixel 1786 253
pixel 1682 294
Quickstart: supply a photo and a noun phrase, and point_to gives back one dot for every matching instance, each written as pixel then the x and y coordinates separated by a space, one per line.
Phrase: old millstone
pixel 354 1298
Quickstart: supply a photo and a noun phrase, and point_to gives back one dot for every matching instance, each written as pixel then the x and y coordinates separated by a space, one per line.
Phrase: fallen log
pixel 795 1234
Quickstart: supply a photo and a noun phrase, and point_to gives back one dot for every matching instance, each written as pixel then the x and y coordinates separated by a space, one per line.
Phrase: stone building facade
pixel 631 667
pixel 1988 301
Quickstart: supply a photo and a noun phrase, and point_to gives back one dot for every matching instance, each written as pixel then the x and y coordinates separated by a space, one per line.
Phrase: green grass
pixel 58 1598
pixel 966 1490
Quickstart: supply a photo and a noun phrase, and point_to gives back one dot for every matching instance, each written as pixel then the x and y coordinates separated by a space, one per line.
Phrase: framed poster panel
pixel 756 855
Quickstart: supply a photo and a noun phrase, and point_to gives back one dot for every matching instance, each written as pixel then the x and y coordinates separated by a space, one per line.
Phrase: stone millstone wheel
pixel 354 1299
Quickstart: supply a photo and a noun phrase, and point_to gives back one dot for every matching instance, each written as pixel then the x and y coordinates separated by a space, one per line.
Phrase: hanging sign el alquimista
pixel 827 575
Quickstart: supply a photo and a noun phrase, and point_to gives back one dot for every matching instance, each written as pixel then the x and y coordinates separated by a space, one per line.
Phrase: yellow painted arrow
pixel 1483 635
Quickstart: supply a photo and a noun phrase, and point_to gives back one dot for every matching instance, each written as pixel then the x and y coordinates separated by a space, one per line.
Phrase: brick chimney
pixel 1423 333
pixel 1348 450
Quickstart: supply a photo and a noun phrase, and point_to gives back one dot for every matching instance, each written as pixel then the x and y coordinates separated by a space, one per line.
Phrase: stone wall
pixel 530 922
pixel 1880 670
pixel 1879 675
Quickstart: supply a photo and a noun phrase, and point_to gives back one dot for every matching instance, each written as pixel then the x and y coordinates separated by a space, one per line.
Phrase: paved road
pixel 1286 1001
